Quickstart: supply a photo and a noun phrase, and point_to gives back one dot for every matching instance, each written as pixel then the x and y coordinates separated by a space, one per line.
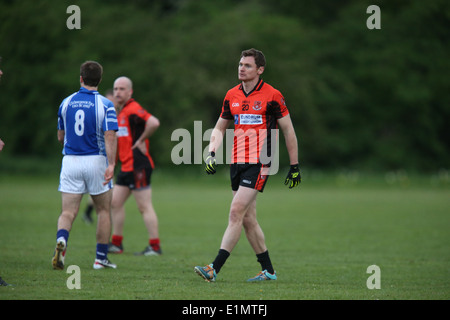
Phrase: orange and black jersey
pixel 254 114
pixel 132 119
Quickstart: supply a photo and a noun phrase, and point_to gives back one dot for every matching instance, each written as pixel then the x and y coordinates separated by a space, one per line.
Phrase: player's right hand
pixel 293 178
pixel 210 163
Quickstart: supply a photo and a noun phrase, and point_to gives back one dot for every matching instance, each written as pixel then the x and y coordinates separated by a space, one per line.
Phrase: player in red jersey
pixel 255 107
pixel 136 125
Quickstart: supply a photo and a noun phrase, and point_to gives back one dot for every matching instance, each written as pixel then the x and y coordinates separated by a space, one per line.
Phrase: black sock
pixel 222 256
pixel 89 210
pixel 264 260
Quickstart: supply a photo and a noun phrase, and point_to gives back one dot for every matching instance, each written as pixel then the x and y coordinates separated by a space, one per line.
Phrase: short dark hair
pixel 91 72
pixel 260 60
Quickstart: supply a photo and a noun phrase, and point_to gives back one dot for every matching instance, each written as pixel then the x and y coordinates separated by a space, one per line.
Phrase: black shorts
pixel 135 180
pixel 249 175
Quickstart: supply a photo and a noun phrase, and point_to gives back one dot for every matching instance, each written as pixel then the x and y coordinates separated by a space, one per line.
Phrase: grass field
pixel 322 237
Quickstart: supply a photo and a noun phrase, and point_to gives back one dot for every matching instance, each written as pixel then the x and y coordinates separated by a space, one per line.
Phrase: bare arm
pixel 218 134
pixel 111 150
pixel 290 137
pixel 61 134
pixel 150 127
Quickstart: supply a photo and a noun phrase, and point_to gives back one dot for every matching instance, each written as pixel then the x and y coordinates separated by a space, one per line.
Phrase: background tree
pixel 359 98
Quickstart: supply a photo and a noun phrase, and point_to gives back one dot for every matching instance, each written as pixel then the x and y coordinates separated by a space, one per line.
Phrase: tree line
pixel 359 98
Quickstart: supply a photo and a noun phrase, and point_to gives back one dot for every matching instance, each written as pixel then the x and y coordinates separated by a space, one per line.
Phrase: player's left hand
pixel 109 174
pixel 141 145
pixel 210 163
pixel 293 178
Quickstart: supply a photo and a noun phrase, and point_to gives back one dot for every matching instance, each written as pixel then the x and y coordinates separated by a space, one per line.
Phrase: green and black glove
pixel 210 163
pixel 293 178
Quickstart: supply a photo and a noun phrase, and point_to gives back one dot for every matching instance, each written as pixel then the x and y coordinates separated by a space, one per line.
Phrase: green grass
pixel 321 237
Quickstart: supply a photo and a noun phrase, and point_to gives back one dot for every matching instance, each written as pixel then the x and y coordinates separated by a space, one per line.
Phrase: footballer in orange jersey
pixel 254 107
pixel 132 119
pixel 136 125
pixel 254 114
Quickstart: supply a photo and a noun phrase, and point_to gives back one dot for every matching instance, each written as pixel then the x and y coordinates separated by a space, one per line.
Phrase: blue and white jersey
pixel 85 116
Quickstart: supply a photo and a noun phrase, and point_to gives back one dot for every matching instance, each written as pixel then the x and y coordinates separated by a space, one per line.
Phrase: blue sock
pixel 102 251
pixel 62 233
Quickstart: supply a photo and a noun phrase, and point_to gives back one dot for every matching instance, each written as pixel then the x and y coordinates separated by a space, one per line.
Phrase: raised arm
pixel 150 127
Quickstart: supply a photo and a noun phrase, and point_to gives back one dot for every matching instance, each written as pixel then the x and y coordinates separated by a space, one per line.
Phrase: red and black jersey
pixel 132 119
pixel 254 115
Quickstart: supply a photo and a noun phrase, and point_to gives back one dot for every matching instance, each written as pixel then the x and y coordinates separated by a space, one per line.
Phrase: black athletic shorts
pixel 249 175
pixel 137 179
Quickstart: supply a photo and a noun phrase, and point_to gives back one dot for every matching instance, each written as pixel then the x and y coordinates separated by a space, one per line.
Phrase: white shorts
pixel 83 174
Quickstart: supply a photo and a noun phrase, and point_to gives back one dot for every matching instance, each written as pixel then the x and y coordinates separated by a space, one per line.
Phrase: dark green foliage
pixel 359 98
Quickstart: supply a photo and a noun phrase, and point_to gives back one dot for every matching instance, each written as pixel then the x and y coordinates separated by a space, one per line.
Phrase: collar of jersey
pixel 128 102
pixel 256 88
pixel 84 90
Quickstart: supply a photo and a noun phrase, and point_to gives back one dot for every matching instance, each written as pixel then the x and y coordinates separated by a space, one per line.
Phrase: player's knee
pixel 68 216
pixel 143 208
pixel 237 213
pixel 249 223
pixel 116 204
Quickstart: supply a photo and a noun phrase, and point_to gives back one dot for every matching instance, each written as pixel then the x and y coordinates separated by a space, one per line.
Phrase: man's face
pixel 248 70
pixel 1 73
pixel 122 91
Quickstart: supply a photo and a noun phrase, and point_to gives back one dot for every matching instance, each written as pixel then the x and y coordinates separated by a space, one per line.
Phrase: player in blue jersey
pixel 87 125
pixel 87 215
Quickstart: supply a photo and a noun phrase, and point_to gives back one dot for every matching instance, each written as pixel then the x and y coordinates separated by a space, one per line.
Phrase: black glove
pixel 293 178
pixel 210 163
